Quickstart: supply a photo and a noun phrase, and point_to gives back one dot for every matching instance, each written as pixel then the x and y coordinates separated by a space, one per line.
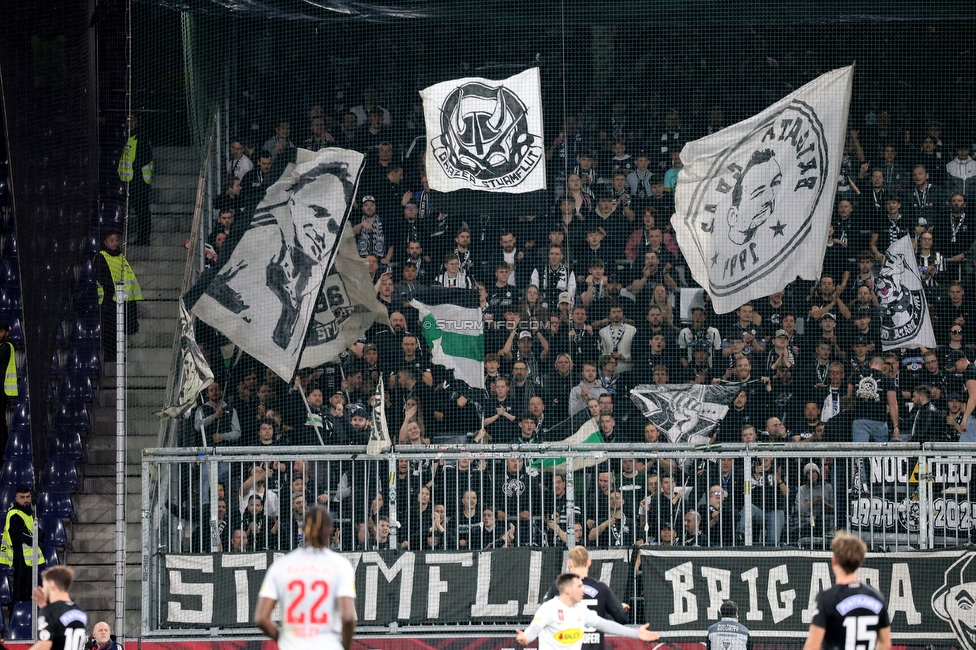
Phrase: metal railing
pixel 454 498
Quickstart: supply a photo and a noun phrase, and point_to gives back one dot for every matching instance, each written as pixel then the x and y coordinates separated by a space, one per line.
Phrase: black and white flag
pixel 195 374
pixel 905 318
pixel 753 201
pixel 346 307
pixel 263 297
pixel 685 414
pixel 485 135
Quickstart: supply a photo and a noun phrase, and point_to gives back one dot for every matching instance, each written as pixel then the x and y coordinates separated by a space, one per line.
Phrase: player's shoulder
pixel 856 595
pixel 594 587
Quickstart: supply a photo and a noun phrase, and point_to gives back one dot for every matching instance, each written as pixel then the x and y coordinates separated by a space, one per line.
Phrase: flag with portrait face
pixel 753 201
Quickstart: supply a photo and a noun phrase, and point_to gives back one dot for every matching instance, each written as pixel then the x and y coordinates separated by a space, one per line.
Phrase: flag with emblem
pixel 753 201
pixel 453 327
pixel 905 318
pixel 485 135
pixel 263 297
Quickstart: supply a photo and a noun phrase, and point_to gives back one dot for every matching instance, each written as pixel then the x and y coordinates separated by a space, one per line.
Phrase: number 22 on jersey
pixel 310 598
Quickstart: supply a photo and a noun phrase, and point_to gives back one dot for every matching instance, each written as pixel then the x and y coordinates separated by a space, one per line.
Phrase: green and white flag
pixel 453 326
pixel 588 434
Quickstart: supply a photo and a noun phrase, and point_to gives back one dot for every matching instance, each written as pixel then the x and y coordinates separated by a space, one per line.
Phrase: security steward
pixel 17 545
pixel 728 633
pixel 136 170
pixel 111 267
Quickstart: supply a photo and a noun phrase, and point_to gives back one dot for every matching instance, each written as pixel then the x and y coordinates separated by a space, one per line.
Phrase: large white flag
pixel 485 135
pixel 346 307
pixel 264 295
pixel 753 202
pixel 905 318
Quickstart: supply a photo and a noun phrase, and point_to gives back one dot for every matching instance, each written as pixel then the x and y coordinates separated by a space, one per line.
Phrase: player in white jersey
pixel 559 623
pixel 317 591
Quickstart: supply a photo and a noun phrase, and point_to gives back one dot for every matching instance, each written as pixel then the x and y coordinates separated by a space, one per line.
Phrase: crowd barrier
pixel 477 534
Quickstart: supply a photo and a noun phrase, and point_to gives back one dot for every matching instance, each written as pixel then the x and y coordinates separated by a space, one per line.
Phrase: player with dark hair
pixel 850 615
pixel 559 622
pixel 599 597
pixel 61 625
pixel 728 633
pixel 317 588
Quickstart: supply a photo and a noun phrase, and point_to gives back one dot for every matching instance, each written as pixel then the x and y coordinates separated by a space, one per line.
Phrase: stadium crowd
pixel 583 301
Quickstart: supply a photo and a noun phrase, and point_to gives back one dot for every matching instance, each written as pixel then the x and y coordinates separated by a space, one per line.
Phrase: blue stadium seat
pixel 110 214
pixel 55 369
pixel 20 419
pixel 86 274
pixel 66 443
pixel 10 298
pixel 53 528
pixel 9 274
pixel 84 331
pixel 19 444
pixel 7 495
pixel 59 339
pixel 73 416
pixel 9 249
pixel 55 504
pixel 83 361
pixel 4 190
pixel 90 245
pixel 5 597
pixel 112 189
pixel 85 303
pixel 75 389
pixel 60 474
pixel 16 333
pixel 50 553
pixel 17 471
pixel 20 623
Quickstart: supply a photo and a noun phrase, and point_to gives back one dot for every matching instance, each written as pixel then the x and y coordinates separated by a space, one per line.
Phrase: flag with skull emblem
pixel 485 135
pixel 753 201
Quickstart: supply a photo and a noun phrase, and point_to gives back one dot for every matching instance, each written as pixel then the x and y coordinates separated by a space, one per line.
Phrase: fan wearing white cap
pixel 814 501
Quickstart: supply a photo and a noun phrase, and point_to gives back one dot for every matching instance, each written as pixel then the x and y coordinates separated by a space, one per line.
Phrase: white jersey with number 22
pixel 308 583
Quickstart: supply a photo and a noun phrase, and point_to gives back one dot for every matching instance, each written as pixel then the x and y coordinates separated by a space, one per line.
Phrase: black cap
pixel 657 179
pixel 832 316
pixel 862 340
pixel 862 312
pixel 359 410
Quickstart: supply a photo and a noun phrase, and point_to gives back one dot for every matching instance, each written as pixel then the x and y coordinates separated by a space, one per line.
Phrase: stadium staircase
pixel 159 268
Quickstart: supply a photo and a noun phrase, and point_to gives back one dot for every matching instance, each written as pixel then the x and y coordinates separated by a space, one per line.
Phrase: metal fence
pixel 453 499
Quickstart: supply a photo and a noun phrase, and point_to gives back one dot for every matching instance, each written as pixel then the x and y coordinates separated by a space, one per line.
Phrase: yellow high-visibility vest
pixel 7 546
pixel 121 270
pixel 10 378
pixel 128 159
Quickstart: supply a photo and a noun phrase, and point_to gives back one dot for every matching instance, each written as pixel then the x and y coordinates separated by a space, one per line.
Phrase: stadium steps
pixel 159 268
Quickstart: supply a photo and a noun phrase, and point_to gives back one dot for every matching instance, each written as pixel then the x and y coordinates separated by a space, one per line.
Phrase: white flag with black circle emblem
pixel 485 135
pixel 905 318
pixel 753 201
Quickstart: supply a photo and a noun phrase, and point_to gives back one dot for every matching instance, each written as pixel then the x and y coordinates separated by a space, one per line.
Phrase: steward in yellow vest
pixel 136 169
pixel 111 267
pixel 17 545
